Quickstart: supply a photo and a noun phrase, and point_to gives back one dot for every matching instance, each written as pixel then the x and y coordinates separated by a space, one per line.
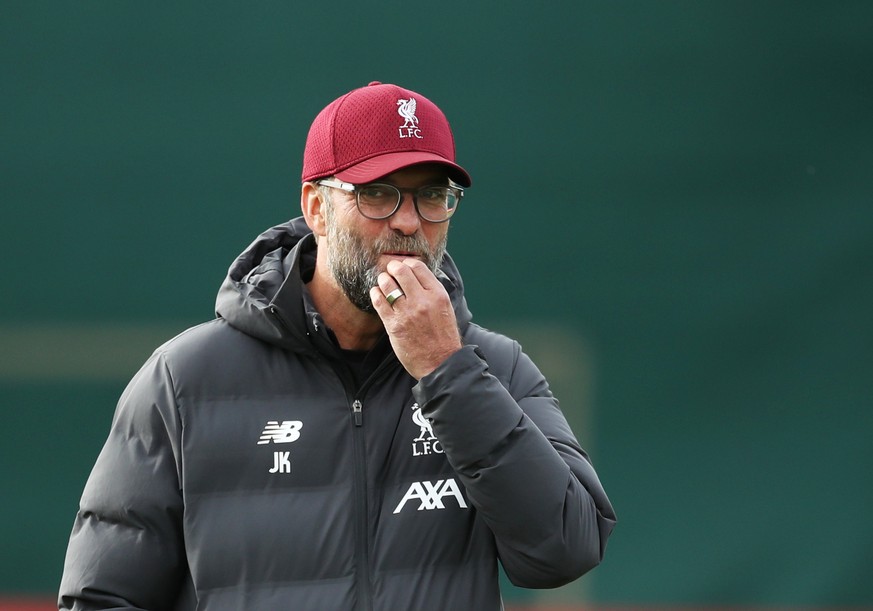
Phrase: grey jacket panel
pixel 522 467
pixel 245 470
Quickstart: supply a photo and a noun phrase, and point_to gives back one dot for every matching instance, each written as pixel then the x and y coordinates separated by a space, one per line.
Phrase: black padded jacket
pixel 245 468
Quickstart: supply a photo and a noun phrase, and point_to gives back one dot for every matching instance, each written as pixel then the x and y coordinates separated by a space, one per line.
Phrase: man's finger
pixel 426 277
pixel 404 277
pixel 420 274
pixel 380 303
pixel 388 284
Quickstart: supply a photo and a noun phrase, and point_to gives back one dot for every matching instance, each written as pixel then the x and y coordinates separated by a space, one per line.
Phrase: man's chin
pixel 361 300
pixel 366 309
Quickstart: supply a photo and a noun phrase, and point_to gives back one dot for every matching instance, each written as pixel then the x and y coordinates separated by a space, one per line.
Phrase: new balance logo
pixel 286 432
pixel 430 495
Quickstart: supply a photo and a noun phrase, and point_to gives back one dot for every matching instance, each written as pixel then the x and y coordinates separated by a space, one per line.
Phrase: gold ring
pixel 394 296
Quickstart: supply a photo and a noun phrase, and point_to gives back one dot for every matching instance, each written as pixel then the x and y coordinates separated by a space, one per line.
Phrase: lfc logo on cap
pixel 406 109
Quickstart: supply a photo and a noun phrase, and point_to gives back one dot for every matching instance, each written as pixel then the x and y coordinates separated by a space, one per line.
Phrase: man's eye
pixel 431 194
pixel 376 193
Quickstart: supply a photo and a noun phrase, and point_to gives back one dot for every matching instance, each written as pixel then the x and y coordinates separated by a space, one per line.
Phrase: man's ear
pixel 311 203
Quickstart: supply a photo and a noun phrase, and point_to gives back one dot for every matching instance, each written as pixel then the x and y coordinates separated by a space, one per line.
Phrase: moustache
pixel 414 245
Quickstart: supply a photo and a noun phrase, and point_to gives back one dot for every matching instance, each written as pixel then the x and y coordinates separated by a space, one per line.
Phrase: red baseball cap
pixel 376 130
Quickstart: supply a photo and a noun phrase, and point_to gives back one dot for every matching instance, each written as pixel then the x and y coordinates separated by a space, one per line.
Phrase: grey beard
pixel 355 266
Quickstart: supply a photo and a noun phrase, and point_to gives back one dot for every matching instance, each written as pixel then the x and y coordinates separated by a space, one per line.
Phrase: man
pixel 341 436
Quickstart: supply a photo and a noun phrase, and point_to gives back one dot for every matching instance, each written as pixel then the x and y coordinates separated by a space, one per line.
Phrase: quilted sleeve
pixel 126 550
pixel 523 469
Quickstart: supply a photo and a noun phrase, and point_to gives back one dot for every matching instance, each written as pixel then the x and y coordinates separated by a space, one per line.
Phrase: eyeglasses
pixel 377 201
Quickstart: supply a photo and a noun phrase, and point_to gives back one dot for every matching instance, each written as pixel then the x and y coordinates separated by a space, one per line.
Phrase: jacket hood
pixel 263 294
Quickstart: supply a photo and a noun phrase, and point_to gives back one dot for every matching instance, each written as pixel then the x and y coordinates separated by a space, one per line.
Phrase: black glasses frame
pixel 356 189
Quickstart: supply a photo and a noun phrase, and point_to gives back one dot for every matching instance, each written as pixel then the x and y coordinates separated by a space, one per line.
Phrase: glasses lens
pixel 436 204
pixel 378 201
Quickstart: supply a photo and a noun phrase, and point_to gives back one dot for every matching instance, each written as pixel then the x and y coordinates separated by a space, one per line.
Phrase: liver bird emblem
pixel 406 109
pixel 425 426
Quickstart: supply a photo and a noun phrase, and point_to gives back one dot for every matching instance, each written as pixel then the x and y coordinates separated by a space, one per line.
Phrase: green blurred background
pixel 671 208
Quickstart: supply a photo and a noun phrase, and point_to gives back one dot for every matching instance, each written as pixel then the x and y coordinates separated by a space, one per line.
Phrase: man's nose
pixel 406 219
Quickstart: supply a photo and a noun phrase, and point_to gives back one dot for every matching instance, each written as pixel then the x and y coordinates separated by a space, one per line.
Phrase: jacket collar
pixel 264 294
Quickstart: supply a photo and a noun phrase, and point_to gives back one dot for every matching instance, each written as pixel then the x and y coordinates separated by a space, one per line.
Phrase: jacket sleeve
pixel 520 463
pixel 126 550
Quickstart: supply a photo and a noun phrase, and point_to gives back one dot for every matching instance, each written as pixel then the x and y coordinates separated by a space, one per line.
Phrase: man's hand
pixel 421 323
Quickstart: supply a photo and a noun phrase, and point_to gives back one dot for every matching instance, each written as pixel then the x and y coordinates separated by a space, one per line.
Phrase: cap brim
pixel 382 165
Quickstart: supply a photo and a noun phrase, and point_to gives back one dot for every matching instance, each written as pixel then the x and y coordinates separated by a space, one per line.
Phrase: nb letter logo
pixel 286 432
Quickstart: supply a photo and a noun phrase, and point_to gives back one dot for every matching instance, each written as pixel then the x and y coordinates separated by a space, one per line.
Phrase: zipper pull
pixel 356 410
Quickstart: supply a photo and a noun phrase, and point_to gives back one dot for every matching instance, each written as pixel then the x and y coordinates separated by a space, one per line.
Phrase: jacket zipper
pixel 357 411
pixel 362 552
pixel 362 512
